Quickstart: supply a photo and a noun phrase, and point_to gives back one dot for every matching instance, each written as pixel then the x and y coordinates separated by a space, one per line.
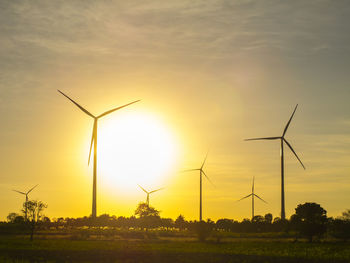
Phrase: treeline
pixel 310 220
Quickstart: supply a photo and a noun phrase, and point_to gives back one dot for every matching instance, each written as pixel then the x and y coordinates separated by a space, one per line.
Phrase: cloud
pixel 214 29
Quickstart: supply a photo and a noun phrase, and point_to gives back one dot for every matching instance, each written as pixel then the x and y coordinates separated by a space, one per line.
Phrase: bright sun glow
pixel 134 148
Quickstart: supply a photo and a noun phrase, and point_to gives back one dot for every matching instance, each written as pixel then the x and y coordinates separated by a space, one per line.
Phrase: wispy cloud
pixel 218 29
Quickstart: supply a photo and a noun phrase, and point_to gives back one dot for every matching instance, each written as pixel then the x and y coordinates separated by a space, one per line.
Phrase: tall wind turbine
pixel 148 193
pixel 94 142
pixel 283 140
pixel 26 194
pixel 252 194
pixel 201 172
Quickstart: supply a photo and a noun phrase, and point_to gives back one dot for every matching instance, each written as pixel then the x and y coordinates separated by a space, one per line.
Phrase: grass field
pixel 20 249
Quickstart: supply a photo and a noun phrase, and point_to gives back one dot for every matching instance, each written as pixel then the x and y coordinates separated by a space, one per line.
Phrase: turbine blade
pixel 253 185
pixel 19 192
pixel 80 107
pixel 207 178
pixel 156 190
pixel 189 170
pixel 143 189
pixel 92 139
pixel 265 138
pixel 205 159
pixel 244 197
pixel 291 117
pixel 110 111
pixel 260 198
pixel 32 189
pixel 291 148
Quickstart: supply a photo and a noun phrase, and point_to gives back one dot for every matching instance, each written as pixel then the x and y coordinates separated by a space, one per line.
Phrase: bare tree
pixel 34 209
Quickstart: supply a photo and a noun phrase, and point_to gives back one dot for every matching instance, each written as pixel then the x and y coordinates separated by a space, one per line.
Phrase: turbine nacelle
pixel 282 138
pixel 252 194
pixel 149 192
pixel 201 171
pixel 25 193
pixel 94 129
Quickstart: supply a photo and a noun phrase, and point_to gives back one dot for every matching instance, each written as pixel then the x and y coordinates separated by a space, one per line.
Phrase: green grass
pixel 64 250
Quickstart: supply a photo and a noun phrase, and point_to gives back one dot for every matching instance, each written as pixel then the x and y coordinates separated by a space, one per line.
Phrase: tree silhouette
pixel 148 216
pixel 203 229
pixel 310 219
pixel 180 222
pixel 340 228
pixel 143 210
pixel 268 218
pixel 15 218
pixel 34 210
pixel 346 215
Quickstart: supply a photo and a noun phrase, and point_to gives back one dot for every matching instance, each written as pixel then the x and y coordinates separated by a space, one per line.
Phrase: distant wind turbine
pixel 94 142
pixel 283 140
pixel 201 172
pixel 148 193
pixel 26 194
pixel 252 194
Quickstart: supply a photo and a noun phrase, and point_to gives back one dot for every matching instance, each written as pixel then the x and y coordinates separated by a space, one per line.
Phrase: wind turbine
pixel 26 194
pixel 201 172
pixel 94 142
pixel 148 193
pixel 283 140
pixel 252 194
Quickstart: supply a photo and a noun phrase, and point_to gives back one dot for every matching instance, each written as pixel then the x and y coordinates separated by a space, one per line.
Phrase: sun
pixel 135 148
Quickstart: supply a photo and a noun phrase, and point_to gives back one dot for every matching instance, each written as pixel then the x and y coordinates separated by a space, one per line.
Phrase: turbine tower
pixel 148 193
pixel 201 172
pixel 26 194
pixel 252 194
pixel 283 140
pixel 94 142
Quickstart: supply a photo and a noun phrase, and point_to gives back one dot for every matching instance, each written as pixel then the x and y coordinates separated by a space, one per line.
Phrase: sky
pixel 209 74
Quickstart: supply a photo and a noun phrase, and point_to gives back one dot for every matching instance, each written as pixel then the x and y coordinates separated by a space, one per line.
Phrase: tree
pixel 258 219
pixel 224 224
pixel 276 220
pixel 203 229
pixel 268 218
pixel 346 215
pixel 180 222
pixel 15 218
pixel 143 210
pixel 166 223
pixel 34 210
pixel 148 216
pixel 340 228
pixel 310 220
pixel 103 220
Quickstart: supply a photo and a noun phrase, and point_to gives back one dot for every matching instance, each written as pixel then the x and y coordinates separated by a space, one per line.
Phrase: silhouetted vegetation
pixel 340 227
pixel 202 229
pixel 33 210
pixel 262 238
pixel 310 220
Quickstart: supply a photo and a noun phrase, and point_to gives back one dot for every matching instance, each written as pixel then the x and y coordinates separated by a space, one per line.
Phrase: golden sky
pixel 209 74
